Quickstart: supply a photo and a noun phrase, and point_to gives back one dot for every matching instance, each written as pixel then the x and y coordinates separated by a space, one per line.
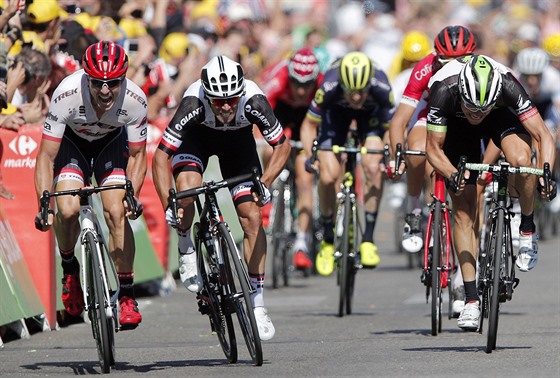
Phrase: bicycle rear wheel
pixel 217 310
pixel 102 325
pixel 279 240
pixel 496 278
pixel 436 269
pixel 240 293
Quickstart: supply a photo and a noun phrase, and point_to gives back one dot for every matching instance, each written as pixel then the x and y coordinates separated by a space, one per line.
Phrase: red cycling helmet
pixel 303 66
pixel 454 41
pixel 105 60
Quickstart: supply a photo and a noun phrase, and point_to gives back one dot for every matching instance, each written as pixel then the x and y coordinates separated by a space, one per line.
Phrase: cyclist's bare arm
pixel 398 124
pixel 161 173
pixel 436 156
pixel 280 154
pixel 536 127
pixel 45 165
pixel 308 133
pixel 137 166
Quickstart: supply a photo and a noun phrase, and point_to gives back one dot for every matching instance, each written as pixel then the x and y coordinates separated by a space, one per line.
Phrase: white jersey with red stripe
pixel 71 107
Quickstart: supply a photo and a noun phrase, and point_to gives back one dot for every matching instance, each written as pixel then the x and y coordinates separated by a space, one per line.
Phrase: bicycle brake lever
pixel 172 202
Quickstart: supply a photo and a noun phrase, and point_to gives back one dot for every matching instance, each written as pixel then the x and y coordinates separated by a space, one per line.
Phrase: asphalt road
pixel 387 335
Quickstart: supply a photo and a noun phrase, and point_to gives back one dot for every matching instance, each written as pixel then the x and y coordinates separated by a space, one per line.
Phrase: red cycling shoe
pixel 130 316
pixel 302 260
pixel 72 294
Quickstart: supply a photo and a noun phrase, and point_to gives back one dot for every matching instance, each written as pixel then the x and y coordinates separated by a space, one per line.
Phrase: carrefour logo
pixel 23 145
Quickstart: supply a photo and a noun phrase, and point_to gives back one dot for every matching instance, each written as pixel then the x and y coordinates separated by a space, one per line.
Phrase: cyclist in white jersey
pixel 216 117
pixel 96 126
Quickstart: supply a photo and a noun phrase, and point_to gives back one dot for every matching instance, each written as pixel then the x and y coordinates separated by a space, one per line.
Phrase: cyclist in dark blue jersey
pixel 353 91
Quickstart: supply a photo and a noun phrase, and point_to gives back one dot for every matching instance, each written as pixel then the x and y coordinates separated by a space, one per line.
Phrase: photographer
pixel 28 84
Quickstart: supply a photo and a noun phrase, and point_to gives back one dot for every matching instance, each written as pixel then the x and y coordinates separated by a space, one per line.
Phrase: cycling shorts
pixel 235 149
pixel 106 158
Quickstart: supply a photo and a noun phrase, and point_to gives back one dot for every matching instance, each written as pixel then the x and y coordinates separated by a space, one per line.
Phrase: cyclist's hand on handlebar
pixel 265 198
pixel 551 186
pixel 170 219
pixel 129 211
pixel 39 225
pixel 453 183
pixel 311 166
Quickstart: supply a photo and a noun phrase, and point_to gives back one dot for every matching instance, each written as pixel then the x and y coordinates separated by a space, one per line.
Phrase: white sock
pixel 414 205
pixel 184 242
pixel 257 282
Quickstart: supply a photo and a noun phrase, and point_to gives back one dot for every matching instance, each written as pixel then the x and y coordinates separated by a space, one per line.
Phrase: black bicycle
pixel 496 261
pixel 100 290
pixel 348 224
pixel 226 287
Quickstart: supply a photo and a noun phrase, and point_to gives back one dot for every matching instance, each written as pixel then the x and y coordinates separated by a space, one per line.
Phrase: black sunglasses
pixel 110 83
pixel 219 102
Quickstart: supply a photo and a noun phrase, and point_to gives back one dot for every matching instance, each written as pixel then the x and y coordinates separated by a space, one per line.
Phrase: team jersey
pixel 71 107
pixel 195 110
pixel 330 97
pixel 276 87
pixel 445 99
pixel 417 87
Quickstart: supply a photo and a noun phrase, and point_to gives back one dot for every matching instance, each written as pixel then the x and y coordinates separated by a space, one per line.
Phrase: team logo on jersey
pixel 523 106
pixel 257 114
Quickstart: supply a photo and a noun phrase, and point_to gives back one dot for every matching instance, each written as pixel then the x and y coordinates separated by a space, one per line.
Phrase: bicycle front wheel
pixel 217 310
pixel 437 290
pixel 496 277
pixel 343 263
pixel 99 303
pixel 240 293
pixel 279 239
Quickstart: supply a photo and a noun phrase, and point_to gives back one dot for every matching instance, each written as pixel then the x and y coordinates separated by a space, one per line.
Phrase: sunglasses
pixel 476 109
pixel 443 61
pixel 113 83
pixel 219 102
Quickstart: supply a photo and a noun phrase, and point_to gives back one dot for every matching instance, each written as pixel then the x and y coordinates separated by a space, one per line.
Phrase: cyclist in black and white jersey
pixel 96 115
pixel 470 99
pixel 216 117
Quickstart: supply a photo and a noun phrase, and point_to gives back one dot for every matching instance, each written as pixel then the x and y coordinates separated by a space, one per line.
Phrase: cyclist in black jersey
pixel 353 90
pixel 216 117
pixel 472 98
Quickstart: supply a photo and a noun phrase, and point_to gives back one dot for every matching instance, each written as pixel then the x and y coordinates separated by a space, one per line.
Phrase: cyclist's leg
pixel 71 171
pixel 415 177
pixel 304 185
pixel 373 183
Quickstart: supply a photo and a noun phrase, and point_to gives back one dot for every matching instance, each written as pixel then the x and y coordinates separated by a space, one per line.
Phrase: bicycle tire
pixel 220 318
pixel 97 311
pixel 343 261
pixel 436 289
pixel 353 246
pixel 241 300
pixel 494 310
pixel 278 240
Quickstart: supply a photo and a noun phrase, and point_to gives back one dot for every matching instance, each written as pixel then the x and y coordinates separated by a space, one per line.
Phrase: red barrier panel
pixel 18 167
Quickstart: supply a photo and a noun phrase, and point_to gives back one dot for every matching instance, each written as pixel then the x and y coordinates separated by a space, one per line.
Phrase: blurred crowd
pixel 168 41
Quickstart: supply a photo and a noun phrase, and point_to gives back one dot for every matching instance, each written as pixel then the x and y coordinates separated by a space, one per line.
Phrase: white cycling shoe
pixel 266 328
pixel 188 270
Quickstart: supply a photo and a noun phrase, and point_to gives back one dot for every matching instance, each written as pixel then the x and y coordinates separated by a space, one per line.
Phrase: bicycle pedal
pixel 128 327
pixel 203 307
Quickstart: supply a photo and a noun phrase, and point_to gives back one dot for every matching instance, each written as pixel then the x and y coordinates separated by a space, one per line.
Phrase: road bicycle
pixel 439 252
pixel 98 274
pixel 283 220
pixel 226 287
pixel 496 261
pixel 348 223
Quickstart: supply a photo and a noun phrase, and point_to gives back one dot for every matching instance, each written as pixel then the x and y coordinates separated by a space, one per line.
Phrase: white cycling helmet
pixel 222 78
pixel 532 61
pixel 480 82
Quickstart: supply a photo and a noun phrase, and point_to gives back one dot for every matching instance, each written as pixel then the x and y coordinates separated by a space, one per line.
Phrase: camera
pixel 3 75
